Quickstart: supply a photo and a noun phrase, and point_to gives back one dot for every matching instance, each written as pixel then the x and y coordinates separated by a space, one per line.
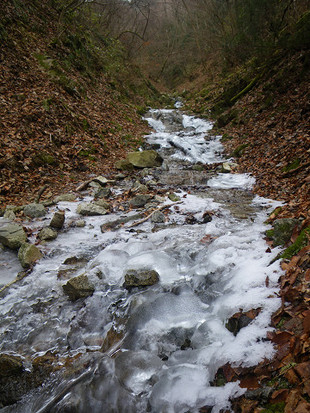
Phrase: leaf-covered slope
pixel 69 101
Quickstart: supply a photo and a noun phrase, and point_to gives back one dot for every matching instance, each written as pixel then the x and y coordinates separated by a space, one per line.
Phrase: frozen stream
pixel 155 349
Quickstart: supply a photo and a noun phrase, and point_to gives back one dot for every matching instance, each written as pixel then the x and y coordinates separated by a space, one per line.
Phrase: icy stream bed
pixel 170 338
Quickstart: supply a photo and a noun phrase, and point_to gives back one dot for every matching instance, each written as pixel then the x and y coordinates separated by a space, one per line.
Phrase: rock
pixel 9 215
pixel 227 167
pixel 158 217
pixel 207 217
pixel 90 209
pixel 58 220
pixel 120 176
pixel 173 197
pixel 78 287
pixel 124 165
pixel 139 201
pixel 34 210
pixel 102 193
pixel 140 278
pixel 10 365
pixel 65 198
pixel 101 180
pixel 28 254
pixel 282 230
pixel 12 235
pixel 139 188
pixel 47 234
pixel 240 320
pixel 145 159
pixel 102 203
pixel 80 223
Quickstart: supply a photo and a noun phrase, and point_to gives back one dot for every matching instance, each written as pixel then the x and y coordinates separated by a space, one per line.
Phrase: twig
pixel 134 224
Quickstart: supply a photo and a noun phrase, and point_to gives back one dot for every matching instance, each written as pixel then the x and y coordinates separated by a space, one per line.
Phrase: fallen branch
pixel 40 193
pixel 134 224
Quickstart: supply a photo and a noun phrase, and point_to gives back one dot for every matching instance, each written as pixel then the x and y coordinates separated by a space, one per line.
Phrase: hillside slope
pixel 69 100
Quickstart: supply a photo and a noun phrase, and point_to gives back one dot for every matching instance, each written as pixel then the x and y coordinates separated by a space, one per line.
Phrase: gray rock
pixel 58 220
pixel 80 223
pixel 101 180
pixel 102 193
pixel 34 210
pixel 78 287
pixel 139 188
pixel 158 217
pixel 9 214
pixel 90 209
pixel 65 198
pixel 28 254
pixel 145 159
pixel 282 230
pixel 10 365
pixel 47 234
pixel 139 201
pixel 12 235
pixel 140 278
pixel 124 165
pixel 102 203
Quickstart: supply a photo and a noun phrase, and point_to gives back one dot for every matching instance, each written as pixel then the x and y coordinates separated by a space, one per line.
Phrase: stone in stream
pixel 58 220
pixel 139 201
pixel 158 217
pixel 227 167
pixel 47 234
pixel 12 235
pixel 28 254
pixel 78 287
pixel 90 209
pixel 9 214
pixel 34 210
pixel 173 197
pixel 10 365
pixel 118 223
pixel 140 278
pixel 102 192
pixel 145 159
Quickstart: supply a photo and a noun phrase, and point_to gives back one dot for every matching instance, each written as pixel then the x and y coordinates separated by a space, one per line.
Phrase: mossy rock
pixel 78 287
pixel 301 242
pixel 28 254
pixel 282 230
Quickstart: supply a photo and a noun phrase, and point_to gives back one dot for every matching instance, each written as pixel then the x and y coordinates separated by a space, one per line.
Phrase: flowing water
pixel 155 349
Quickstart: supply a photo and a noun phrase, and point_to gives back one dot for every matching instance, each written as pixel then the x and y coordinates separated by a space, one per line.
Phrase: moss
pixel 293 165
pixel 270 233
pixel 274 408
pixel 239 150
pixel 300 242
pixel 42 159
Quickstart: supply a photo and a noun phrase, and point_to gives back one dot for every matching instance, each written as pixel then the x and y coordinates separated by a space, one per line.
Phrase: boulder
pixel 102 203
pixel 78 287
pixel 10 365
pixel 145 159
pixel 282 230
pixel 158 217
pixel 58 220
pixel 12 235
pixel 34 210
pixel 90 209
pixel 140 278
pixel 124 165
pixel 139 201
pixel 9 214
pixel 28 254
pixel 47 234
